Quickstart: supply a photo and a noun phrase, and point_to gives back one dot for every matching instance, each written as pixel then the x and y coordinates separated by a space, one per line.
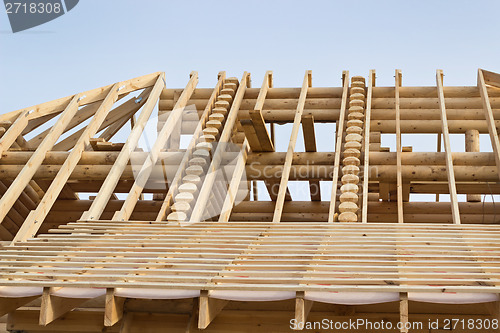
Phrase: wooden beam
pixel 447 148
pixel 206 188
pixel 14 131
pixel 338 145
pixel 163 136
pixel 490 120
pixel 54 307
pixel 261 130
pixel 36 217
pixel 192 144
pixel 108 187
pixel 403 312
pixel 302 309
pixel 310 146
pixel 307 83
pixel 113 308
pixel 9 304
pixel 366 150
pixel 399 177
pixel 29 169
pixel 209 308
pixel 251 134
pixel 234 184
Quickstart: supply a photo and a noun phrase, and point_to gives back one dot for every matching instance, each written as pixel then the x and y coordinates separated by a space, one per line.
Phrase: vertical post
pixel 472 145
pixel 366 168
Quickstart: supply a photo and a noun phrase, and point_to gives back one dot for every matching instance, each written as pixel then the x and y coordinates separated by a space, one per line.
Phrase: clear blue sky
pixel 105 41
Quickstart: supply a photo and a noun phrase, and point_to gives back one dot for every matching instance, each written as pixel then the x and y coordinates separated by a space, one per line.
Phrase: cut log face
pixel 101 232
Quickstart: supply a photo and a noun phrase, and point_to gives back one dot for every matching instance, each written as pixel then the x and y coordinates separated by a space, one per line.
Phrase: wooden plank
pixel 227 207
pixel 307 83
pixel 209 308
pixel 251 135
pixel 109 185
pixel 302 309
pixel 54 307
pixel 163 136
pixel 366 150
pixel 447 148
pixel 36 217
pixel 310 146
pixel 338 145
pixel 399 177
pixel 162 214
pixel 113 308
pixel 225 136
pixel 488 112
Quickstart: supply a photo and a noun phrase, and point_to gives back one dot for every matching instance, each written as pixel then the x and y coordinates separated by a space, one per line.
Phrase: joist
pixel 302 309
pixel 209 308
pixel 291 147
pixel 54 307
pixel 113 308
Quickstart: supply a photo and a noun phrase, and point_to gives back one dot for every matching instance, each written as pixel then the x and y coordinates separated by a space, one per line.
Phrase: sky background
pixel 104 41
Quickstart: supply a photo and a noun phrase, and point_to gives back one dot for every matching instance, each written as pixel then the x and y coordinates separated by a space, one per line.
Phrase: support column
pixel 472 146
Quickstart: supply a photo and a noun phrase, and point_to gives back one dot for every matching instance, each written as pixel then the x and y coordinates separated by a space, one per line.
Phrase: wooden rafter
pixel 338 145
pixel 278 210
pixel 399 176
pixel 366 150
pixel 447 148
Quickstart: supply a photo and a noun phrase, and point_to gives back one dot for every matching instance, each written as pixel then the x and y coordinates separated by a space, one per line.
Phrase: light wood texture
pixel 399 177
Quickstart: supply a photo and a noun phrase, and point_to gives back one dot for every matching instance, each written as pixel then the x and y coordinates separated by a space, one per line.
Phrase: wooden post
pixel 472 145
pixel 302 309
pixel 209 308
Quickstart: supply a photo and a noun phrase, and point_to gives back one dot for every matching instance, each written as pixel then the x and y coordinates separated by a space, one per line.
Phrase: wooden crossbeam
pixel 403 312
pixel 90 96
pixel 302 309
pixel 447 148
pixel 261 130
pixel 36 217
pixel 366 150
pixel 206 188
pixel 399 177
pixel 310 146
pixel 338 145
pixel 113 308
pixel 488 112
pixel 163 136
pixel 174 185
pixel 107 188
pixel 209 308
pixel 54 307
pixel 278 210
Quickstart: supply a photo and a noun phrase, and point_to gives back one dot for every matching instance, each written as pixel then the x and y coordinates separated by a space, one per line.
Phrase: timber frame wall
pixel 176 237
